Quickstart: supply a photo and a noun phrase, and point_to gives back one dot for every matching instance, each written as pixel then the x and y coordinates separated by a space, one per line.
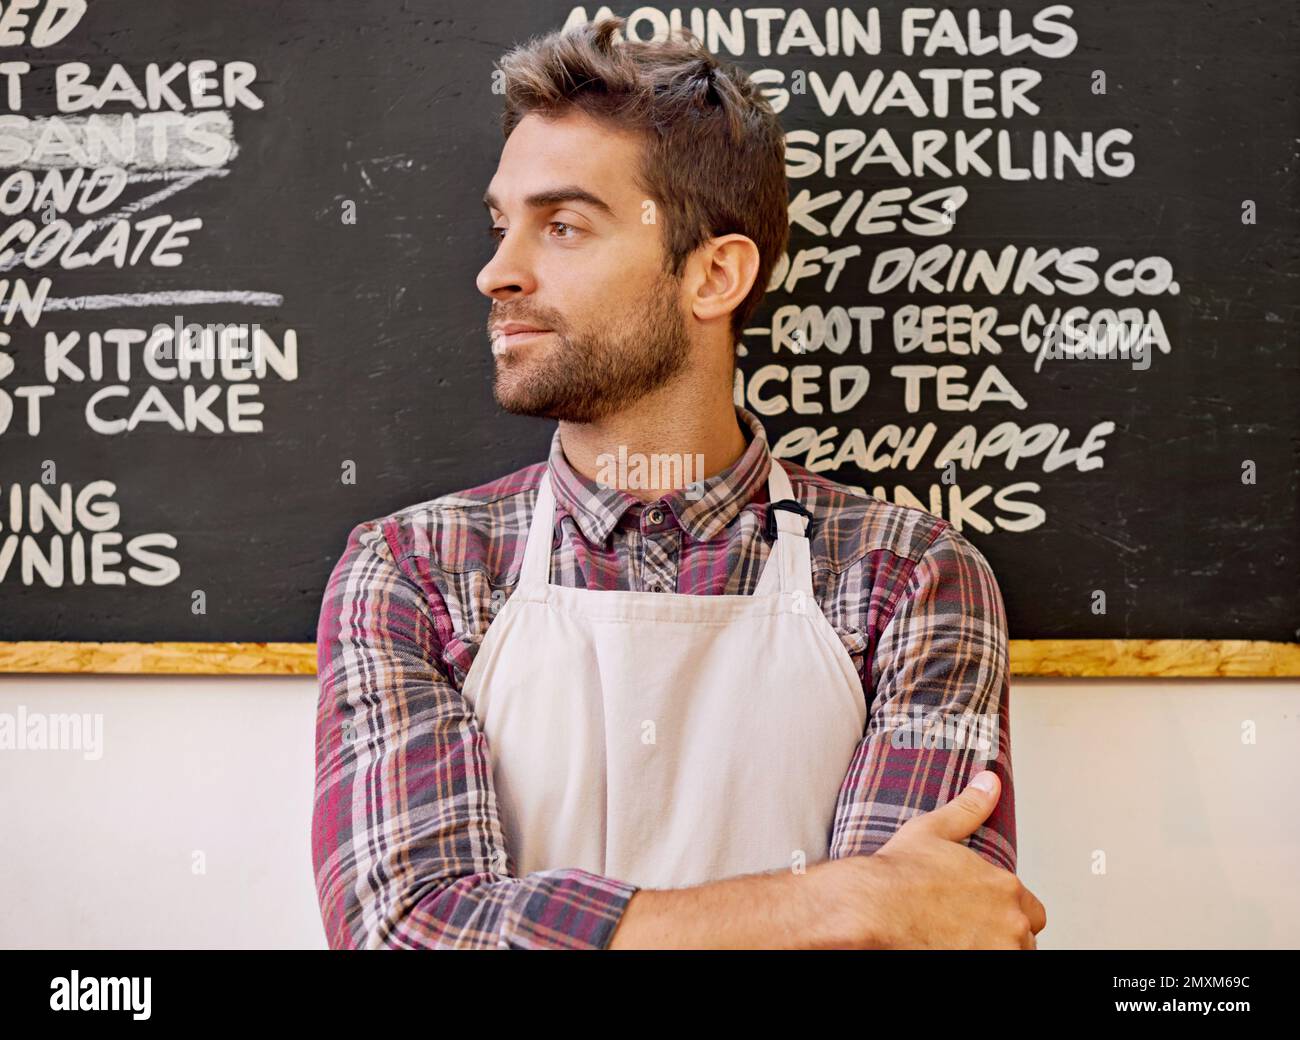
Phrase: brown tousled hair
pixel 714 160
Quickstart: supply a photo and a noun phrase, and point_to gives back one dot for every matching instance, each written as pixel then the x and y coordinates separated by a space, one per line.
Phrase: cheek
pixel 588 291
pixel 608 280
pixel 626 286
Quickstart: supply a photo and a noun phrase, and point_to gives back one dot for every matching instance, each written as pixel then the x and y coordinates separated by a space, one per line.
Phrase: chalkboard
pixel 312 174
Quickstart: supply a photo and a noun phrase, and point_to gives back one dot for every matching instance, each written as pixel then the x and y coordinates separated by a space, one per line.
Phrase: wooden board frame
pixel 1114 658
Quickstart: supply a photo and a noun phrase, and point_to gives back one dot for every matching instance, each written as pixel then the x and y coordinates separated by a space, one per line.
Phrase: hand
pixel 923 889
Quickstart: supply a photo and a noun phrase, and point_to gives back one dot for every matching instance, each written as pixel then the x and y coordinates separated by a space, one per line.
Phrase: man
pixel 559 713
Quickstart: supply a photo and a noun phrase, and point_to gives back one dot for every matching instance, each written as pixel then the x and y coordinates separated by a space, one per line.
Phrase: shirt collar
pixel 703 511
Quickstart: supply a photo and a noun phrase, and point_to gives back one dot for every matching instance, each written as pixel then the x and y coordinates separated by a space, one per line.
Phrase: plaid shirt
pixel 406 834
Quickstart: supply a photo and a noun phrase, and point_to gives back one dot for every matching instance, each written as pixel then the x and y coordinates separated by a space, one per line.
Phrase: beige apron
pixel 666 739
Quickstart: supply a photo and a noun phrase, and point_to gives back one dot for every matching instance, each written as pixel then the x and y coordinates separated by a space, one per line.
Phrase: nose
pixel 508 273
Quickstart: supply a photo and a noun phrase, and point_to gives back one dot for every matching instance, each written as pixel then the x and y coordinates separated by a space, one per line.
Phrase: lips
pixel 512 333
pixel 511 328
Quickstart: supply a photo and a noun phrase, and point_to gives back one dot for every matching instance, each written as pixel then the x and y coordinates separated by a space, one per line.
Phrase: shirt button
pixel 655 516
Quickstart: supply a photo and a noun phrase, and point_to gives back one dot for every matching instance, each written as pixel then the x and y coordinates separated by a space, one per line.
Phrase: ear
pixel 725 270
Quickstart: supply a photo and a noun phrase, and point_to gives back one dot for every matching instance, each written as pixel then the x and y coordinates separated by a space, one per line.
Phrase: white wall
pixel 99 853
pixel 1200 831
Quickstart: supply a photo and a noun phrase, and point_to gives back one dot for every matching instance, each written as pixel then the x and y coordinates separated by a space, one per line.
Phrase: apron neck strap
pixel 778 488
pixel 789 560
pixel 537 552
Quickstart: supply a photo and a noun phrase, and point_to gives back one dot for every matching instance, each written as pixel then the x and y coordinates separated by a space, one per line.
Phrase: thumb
pixel 959 818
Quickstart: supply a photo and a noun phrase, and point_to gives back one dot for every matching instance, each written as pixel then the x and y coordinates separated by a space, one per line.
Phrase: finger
pixel 960 817
pixel 1034 910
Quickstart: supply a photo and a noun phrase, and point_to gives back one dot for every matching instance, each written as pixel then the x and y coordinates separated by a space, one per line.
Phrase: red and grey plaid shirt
pixel 407 842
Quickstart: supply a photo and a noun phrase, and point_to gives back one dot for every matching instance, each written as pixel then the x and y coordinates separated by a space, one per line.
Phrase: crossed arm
pixel 407 843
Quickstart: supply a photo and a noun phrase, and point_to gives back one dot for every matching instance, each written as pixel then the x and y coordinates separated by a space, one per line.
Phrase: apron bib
pixel 665 739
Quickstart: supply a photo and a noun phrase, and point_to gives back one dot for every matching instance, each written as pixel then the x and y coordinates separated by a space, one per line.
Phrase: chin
pixel 512 396
pixel 516 400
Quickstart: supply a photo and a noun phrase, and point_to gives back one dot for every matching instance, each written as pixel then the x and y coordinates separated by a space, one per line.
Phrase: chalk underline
pixel 111 301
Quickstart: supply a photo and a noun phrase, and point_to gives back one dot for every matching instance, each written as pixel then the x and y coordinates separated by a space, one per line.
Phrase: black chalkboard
pixel 1189 527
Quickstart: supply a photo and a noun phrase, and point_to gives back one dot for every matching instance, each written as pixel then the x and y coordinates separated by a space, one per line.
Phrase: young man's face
pixel 581 256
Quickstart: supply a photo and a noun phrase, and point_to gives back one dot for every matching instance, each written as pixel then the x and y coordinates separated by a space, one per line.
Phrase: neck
pixel 698 428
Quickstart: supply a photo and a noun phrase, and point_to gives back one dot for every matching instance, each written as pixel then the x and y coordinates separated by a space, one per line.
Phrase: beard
pixel 589 373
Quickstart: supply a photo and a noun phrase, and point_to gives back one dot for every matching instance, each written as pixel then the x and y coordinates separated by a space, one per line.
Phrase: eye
pixel 495 233
pixel 567 227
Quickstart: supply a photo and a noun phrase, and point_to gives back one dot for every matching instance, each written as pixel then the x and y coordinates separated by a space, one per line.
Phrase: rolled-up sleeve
pixel 940 710
pixel 407 845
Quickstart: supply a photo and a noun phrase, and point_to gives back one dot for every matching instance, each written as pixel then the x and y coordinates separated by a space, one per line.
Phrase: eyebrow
pixel 554 197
